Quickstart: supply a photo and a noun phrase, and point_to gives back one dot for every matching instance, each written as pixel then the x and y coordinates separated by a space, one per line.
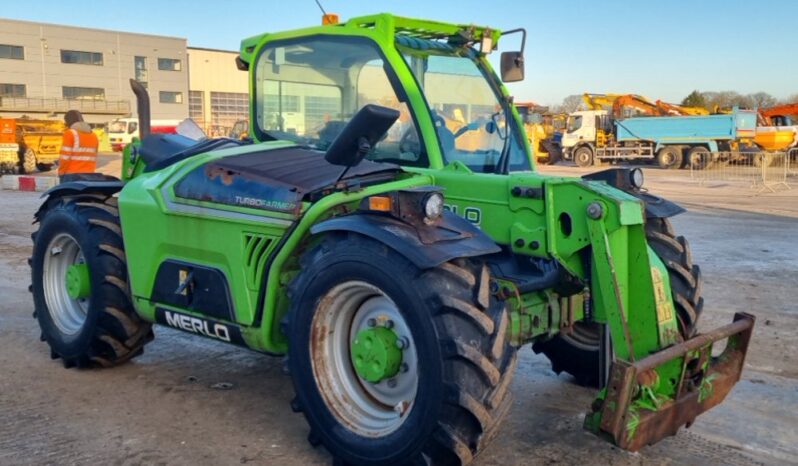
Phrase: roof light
pixel 329 18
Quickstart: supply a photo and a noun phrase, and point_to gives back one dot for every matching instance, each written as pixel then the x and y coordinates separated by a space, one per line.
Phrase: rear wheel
pixel 394 365
pixel 583 156
pixel 670 157
pixel 27 161
pixel 698 158
pixel 80 288
pixel 43 167
pixel 578 352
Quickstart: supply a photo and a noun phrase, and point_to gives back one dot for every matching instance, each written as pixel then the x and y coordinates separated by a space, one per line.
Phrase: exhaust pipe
pixel 143 105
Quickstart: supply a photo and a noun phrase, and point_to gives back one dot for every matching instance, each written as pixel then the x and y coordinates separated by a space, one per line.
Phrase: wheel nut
pixel 391 383
pixel 389 324
pixel 371 322
pixel 402 343
pixel 404 367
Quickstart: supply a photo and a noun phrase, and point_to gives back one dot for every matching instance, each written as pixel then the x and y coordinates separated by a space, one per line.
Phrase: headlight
pixel 636 178
pixel 433 205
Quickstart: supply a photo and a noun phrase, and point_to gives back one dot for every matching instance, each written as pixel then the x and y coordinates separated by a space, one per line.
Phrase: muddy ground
pixel 163 408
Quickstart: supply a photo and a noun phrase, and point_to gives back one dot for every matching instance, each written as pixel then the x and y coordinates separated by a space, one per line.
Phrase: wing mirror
pixel 360 135
pixel 512 63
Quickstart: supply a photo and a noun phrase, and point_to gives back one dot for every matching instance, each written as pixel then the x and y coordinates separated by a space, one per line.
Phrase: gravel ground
pixel 162 408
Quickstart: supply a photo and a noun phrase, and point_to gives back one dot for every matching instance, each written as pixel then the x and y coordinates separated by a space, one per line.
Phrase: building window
pixel 82 58
pixel 14 52
pixel 196 109
pixel 12 90
pixel 229 105
pixel 168 97
pixel 226 109
pixel 83 93
pixel 169 64
pixel 140 65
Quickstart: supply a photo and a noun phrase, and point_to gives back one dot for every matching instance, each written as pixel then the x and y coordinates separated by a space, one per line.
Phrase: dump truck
pixel 397 267
pixel 27 144
pixel 593 136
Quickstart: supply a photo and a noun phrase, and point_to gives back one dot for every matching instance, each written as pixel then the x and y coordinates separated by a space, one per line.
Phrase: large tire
pixel 44 167
pixel 27 161
pixel 102 328
pixel 670 157
pixel 699 158
pixel 583 156
pixel 578 353
pixel 449 317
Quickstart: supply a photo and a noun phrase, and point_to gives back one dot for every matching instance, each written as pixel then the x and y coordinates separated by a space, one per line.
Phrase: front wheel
pixel 583 156
pixel 394 365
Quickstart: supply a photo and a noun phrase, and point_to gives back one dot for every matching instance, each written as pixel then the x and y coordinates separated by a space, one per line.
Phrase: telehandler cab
pixel 327 238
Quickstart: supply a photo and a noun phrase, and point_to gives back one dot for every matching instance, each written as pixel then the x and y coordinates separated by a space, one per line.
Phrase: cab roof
pixel 387 27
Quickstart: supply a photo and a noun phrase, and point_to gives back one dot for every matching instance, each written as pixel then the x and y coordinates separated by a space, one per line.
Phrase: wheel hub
pixel 78 284
pixel 375 354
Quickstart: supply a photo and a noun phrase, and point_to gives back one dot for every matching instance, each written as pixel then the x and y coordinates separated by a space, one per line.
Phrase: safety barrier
pixel 760 171
pixel 792 162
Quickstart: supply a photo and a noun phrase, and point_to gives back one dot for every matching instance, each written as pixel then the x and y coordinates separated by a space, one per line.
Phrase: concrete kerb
pixel 28 182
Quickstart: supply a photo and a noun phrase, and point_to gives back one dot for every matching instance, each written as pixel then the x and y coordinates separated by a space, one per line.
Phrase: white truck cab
pixel 122 131
pixel 581 129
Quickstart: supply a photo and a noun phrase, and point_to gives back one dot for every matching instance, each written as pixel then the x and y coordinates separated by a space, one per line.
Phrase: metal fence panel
pixel 759 171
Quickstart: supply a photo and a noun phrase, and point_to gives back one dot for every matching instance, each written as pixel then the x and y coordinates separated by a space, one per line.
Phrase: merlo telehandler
pixel 397 261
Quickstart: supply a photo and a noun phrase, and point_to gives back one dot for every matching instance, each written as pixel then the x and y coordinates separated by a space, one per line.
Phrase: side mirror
pixel 363 132
pixel 512 66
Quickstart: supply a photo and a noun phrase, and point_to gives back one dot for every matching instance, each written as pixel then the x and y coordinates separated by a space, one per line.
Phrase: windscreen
pixel 474 125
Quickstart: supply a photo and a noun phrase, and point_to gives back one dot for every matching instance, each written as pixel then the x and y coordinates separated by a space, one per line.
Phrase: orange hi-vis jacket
pixel 78 151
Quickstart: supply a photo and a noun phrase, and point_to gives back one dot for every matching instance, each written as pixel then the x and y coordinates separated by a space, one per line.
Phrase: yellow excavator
pixel 541 129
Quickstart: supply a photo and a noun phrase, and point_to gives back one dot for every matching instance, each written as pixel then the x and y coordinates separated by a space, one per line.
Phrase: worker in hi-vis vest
pixel 78 146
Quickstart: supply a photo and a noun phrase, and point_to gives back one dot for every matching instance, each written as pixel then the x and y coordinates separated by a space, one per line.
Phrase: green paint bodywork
pixel 623 282
pixel 375 354
pixel 78 283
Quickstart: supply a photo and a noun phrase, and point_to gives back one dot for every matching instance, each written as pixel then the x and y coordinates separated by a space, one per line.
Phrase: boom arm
pixel 779 111
pixel 666 108
pixel 635 101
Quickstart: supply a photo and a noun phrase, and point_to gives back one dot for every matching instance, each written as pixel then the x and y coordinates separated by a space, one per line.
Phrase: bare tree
pixel 762 100
pixel 571 103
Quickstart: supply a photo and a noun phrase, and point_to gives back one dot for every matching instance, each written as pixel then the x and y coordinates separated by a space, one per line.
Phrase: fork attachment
pixel 638 408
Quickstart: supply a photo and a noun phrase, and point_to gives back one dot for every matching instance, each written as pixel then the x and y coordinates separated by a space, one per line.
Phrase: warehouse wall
pixel 44 75
pixel 219 90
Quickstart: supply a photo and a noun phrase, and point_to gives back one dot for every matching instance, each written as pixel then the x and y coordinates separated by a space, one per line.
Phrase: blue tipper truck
pixel 671 141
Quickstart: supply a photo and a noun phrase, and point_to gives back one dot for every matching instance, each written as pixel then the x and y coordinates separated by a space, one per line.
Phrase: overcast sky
pixel 661 49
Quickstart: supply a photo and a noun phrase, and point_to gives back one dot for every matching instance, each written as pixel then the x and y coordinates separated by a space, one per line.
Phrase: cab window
pixel 308 89
pixel 574 123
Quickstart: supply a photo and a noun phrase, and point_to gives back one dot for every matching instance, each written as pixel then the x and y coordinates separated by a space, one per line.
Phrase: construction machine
pixel 27 144
pixel 777 131
pixel 397 266
pixel 539 128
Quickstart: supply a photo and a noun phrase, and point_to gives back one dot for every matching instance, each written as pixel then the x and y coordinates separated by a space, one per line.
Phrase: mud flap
pixel 631 416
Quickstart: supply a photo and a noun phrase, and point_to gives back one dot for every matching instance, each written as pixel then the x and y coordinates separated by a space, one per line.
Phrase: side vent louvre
pixel 256 251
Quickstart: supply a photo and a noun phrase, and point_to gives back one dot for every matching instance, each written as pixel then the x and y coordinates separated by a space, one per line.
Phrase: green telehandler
pixel 385 229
